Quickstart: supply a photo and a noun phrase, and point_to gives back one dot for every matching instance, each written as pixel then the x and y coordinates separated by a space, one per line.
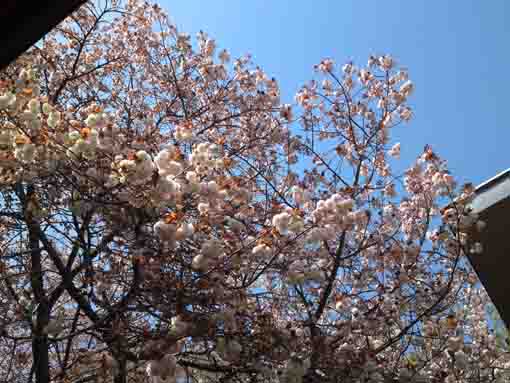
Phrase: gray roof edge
pixel 491 192
pixel 493 181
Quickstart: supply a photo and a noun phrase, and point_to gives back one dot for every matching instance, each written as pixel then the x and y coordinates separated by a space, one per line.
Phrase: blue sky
pixel 456 53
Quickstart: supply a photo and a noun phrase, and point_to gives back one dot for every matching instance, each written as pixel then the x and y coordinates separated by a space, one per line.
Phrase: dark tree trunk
pixel 312 377
pixel 121 376
pixel 40 353
pixel 40 340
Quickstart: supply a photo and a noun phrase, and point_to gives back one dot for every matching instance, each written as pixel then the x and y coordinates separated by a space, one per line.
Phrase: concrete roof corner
pixel 492 203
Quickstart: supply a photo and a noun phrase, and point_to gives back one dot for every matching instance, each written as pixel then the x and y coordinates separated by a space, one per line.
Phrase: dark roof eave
pixel 23 23
pixel 492 203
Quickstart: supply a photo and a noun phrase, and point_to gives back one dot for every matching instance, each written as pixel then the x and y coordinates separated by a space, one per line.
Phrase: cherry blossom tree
pixel 166 217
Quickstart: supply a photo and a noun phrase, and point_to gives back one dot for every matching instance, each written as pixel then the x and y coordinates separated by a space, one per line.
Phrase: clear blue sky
pixel 456 51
